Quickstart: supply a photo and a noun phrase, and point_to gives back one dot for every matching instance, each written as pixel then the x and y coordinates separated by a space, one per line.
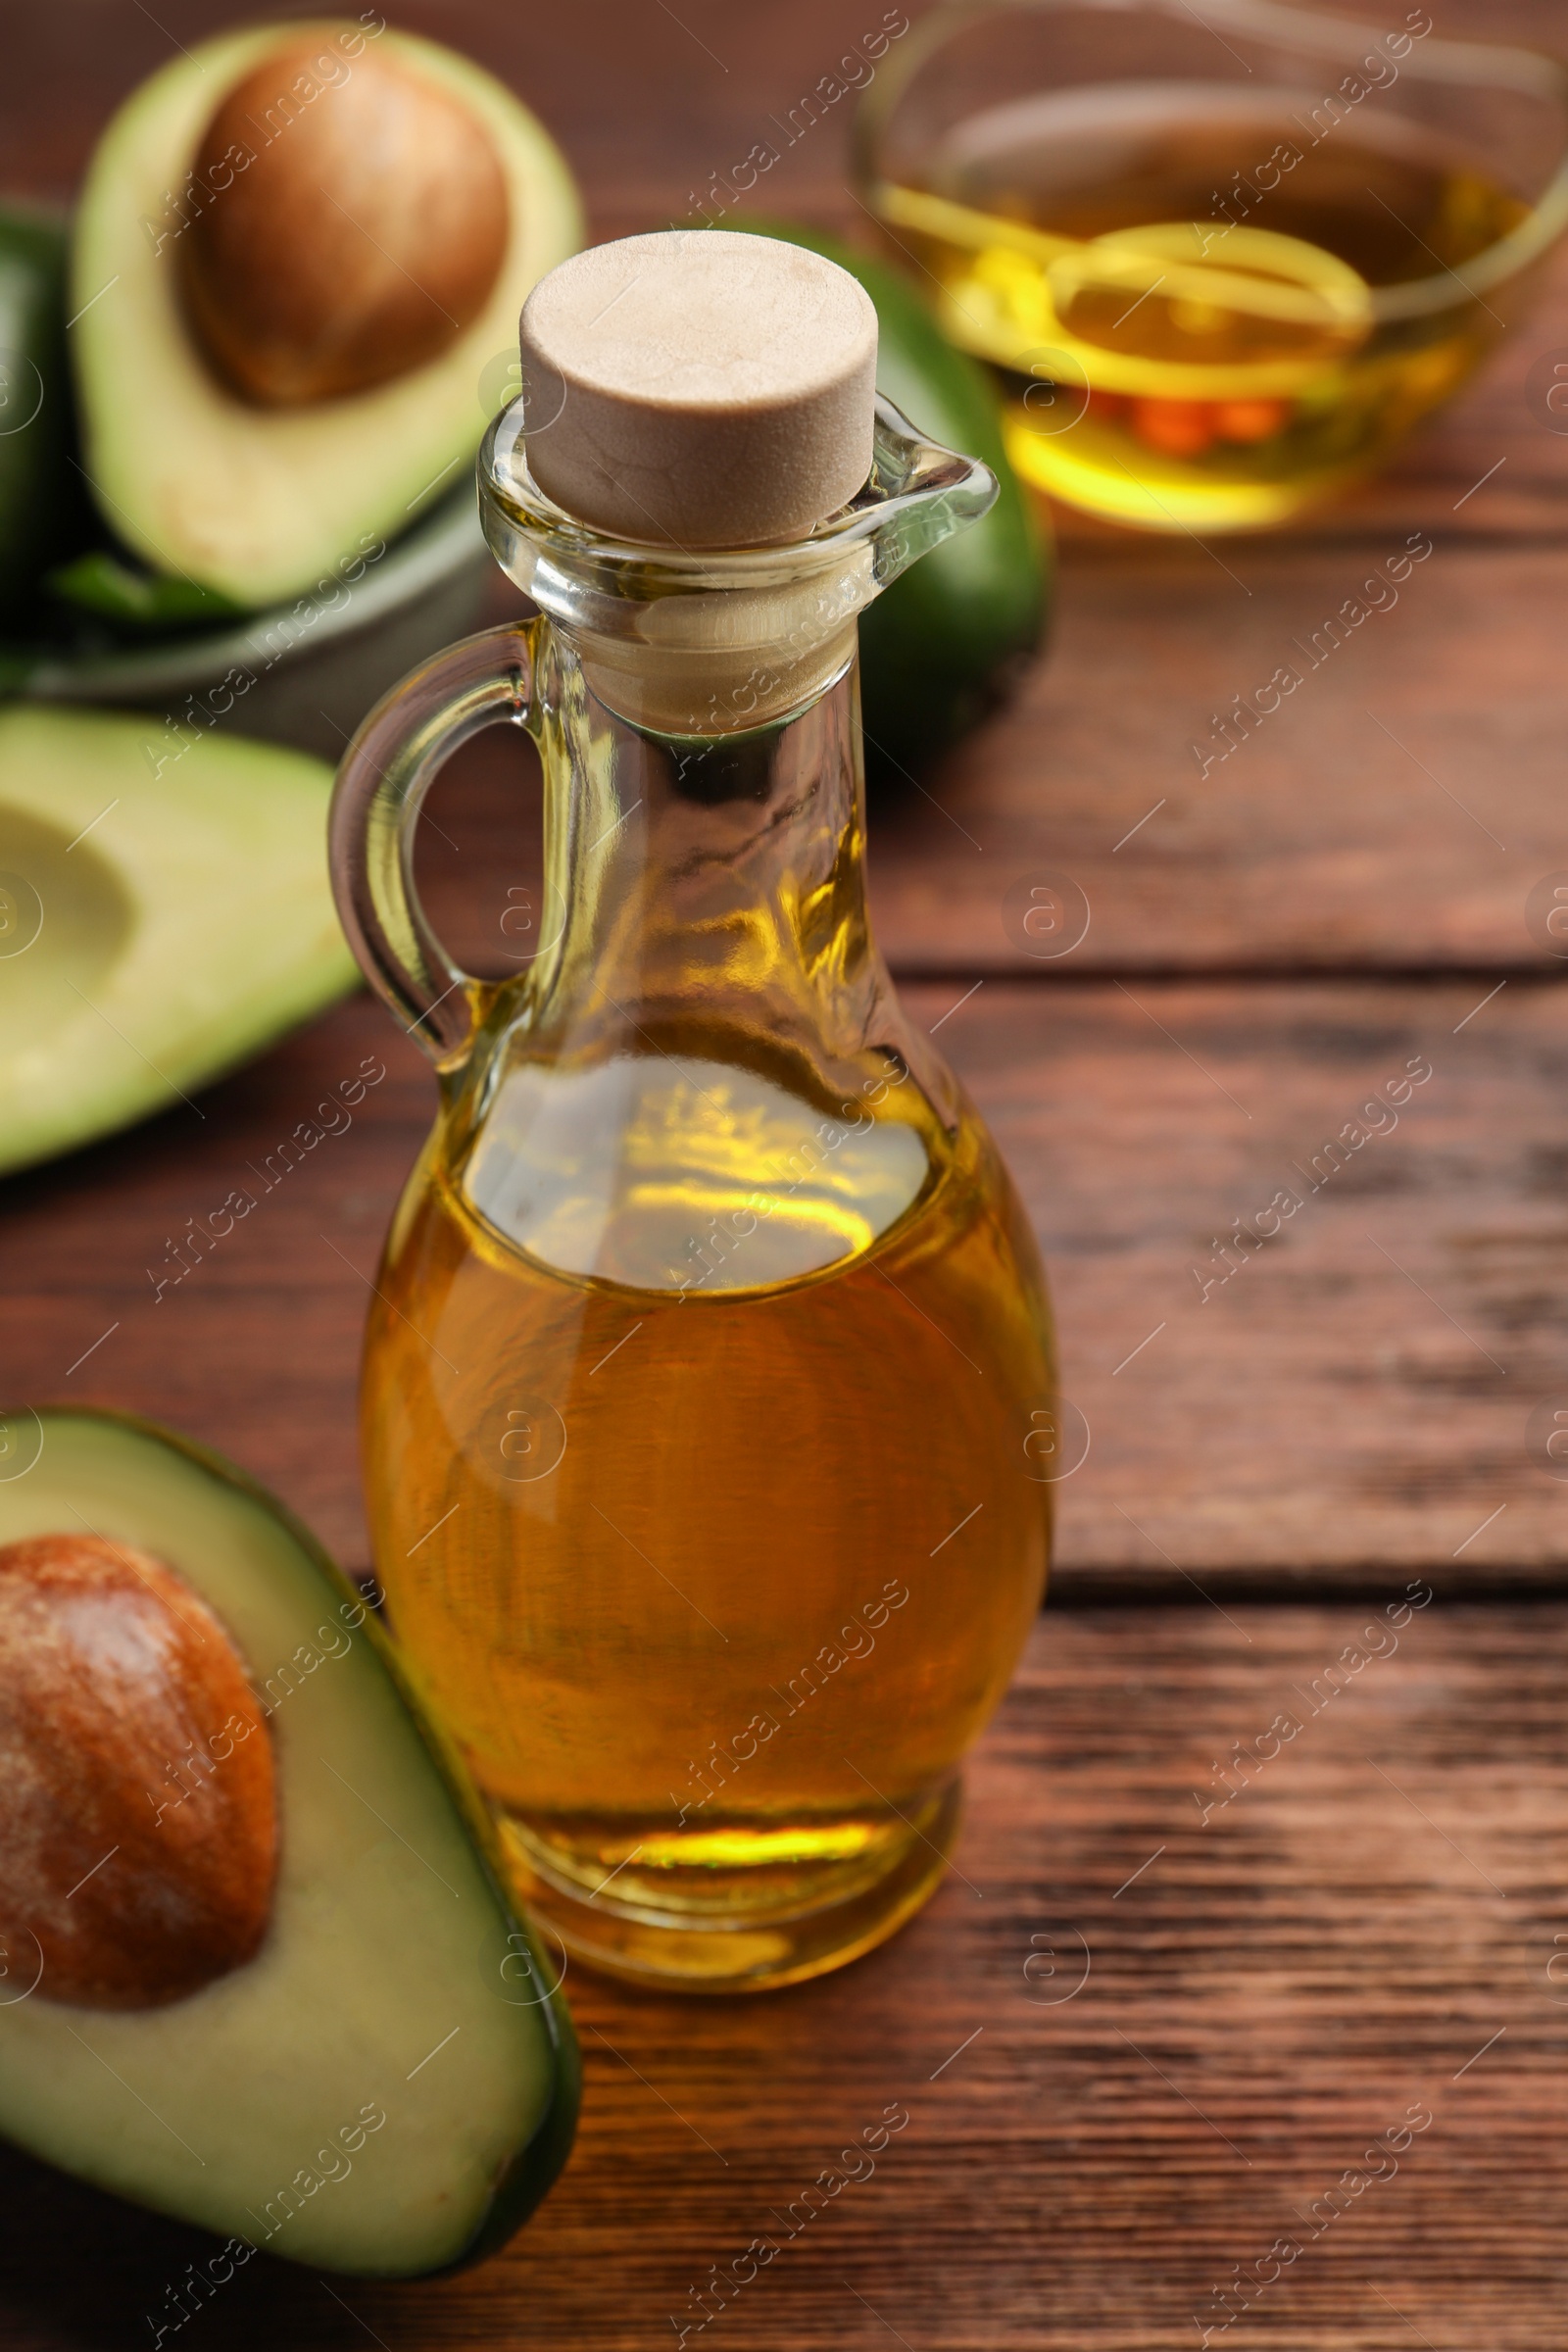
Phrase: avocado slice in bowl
pixel 198 474
pixel 289 2003
pixel 164 911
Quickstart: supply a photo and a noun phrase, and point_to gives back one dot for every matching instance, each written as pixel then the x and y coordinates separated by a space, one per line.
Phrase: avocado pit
pixel 353 221
pixel 141 1847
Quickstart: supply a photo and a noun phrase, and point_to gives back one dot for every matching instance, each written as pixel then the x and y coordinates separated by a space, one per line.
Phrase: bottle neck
pixel 705 1081
pixel 702 886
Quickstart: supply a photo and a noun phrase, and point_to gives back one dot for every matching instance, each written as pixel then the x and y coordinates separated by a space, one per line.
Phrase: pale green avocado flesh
pixel 263 504
pixel 165 910
pixel 389 2086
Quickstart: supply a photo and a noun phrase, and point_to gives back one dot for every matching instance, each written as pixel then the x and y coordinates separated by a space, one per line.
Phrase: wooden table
pixel 1140 2035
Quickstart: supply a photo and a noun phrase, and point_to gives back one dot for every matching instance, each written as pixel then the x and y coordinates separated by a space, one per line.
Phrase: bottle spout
pixel 919 494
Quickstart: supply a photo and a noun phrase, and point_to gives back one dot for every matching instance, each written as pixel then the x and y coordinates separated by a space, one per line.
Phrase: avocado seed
pixel 353 220
pixel 140 1853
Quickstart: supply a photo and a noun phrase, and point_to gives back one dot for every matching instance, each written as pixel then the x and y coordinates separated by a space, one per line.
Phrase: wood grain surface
pixel 1141 2048
pixel 1350 1394
pixel 1136 2048
pixel 1396 810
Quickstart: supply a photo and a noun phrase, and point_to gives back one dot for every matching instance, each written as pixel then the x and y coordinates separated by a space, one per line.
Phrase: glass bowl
pixel 1224 261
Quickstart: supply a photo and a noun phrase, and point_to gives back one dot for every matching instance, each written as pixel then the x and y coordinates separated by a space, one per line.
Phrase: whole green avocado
pixel 946 642
pixel 39 501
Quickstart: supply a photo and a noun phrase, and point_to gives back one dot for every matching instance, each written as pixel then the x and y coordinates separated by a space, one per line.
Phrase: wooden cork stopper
pixel 696 388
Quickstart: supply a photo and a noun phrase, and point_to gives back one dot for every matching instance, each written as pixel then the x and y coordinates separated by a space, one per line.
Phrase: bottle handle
pixel 381 784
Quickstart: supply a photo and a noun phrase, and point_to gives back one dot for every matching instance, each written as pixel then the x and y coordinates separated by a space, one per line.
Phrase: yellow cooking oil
pixel 1208 311
pixel 719 1407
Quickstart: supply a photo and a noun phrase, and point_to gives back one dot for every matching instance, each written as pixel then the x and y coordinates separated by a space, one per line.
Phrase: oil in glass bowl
pixel 1209 309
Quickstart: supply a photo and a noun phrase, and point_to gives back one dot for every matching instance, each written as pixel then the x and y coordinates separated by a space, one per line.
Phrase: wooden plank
pixel 1394 806
pixel 1350 1401
pixel 1366 1942
pixel 1354 1392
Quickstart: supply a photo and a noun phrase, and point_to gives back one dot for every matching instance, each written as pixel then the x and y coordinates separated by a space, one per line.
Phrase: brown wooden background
pixel 1347 1416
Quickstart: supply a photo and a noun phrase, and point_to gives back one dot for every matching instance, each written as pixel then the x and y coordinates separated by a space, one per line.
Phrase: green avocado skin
pixel 40 507
pixel 946 642
pixel 533 2171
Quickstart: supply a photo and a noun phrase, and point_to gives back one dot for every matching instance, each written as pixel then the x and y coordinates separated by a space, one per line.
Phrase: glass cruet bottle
pixel 708 1376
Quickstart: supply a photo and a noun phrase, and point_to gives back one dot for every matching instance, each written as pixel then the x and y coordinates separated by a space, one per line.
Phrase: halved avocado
pixel 164 911
pixel 392 1980
pixel 259 504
